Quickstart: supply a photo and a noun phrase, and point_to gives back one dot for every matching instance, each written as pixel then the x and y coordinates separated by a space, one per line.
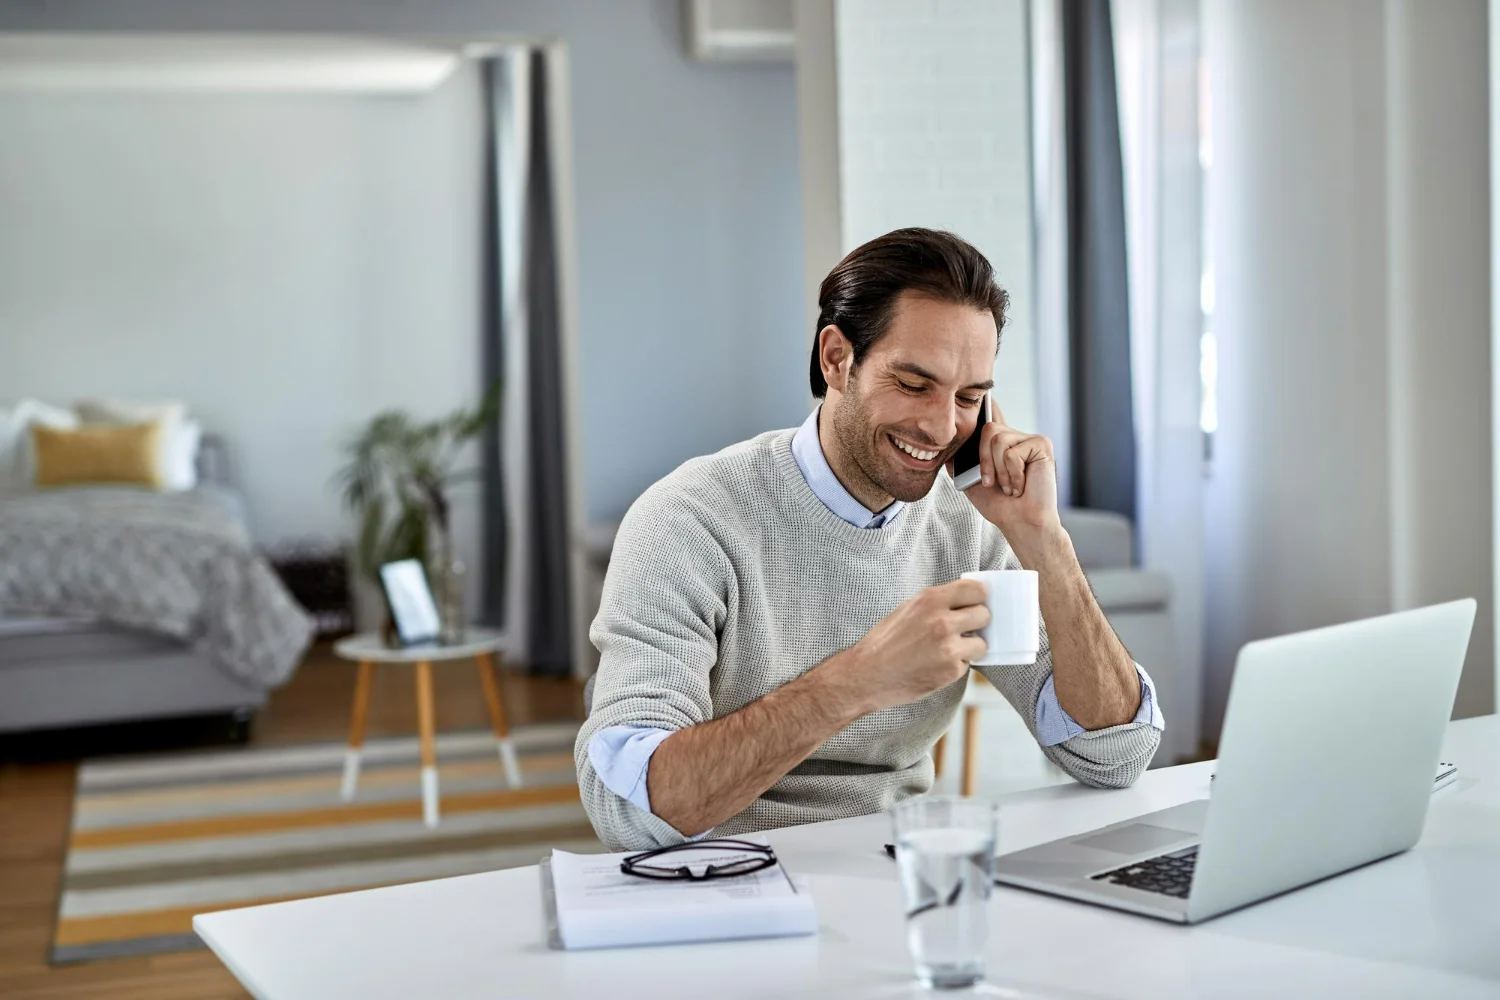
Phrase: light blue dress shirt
pixel 621 755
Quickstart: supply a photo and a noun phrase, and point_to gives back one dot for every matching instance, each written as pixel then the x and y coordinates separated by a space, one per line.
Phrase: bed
pixel 120 605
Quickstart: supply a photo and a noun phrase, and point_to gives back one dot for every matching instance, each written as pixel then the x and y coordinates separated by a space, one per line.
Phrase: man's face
pixel 918 389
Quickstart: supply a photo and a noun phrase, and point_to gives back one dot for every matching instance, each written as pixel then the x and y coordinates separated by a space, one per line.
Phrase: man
pixel 784 636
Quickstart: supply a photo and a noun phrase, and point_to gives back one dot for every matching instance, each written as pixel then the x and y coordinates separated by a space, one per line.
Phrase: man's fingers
pixel 1010 463
pixel 995 452
pixel 1015 464
pixel 1012 451
pixel 971 648
pixel 971 619
pixel 961 593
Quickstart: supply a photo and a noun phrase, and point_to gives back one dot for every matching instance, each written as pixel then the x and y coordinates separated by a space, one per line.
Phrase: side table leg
pixel 357 729
pixel 486 664
pixel 969 777
pixel 429 751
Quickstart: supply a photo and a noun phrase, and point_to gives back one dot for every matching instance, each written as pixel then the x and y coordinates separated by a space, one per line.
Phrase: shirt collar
pixel 808 451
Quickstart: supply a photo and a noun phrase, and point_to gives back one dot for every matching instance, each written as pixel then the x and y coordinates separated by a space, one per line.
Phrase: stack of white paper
pixel 598 906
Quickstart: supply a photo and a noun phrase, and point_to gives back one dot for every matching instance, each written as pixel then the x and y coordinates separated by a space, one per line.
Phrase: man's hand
pixel 1093 674
pixel 1017 489
pixel 920 647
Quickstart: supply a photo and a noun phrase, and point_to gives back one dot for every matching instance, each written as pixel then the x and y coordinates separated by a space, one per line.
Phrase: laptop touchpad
pixel 1134 839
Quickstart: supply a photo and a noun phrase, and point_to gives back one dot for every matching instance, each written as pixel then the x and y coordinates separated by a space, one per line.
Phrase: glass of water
pixel 945 850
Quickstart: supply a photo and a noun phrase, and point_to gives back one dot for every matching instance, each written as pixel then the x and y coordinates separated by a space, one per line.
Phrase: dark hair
pixel 859 295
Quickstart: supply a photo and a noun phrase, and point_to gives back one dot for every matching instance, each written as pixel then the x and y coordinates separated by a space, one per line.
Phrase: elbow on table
pixel 621 825
pixel 1112 760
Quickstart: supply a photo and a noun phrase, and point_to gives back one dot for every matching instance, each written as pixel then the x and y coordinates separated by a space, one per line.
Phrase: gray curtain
pixel 491 354
pixel 1102 414
pixel 541 611
pixel 550 647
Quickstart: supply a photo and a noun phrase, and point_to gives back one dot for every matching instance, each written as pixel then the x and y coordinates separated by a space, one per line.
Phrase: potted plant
pixel 397 483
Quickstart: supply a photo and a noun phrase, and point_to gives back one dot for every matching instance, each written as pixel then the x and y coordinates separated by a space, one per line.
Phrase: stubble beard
pixel 865 448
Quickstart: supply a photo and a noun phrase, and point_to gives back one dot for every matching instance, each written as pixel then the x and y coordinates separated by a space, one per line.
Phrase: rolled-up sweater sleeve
pixel 1113 757
pixel 1054 725
pixel 663 608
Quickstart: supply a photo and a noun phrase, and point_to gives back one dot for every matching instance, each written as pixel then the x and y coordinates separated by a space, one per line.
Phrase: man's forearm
pixel 703 775
pixel 1093 674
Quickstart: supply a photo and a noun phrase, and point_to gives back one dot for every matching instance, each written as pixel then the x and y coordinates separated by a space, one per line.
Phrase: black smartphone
pixel 966 459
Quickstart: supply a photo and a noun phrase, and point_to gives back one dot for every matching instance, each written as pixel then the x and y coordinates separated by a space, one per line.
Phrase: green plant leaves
pixel 398 476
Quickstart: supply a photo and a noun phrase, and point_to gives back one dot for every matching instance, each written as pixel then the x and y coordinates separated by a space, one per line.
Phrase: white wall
pixel 691 325
pixel 929 126
pixel 1439 294
pixel 1351 301
pixel 288 265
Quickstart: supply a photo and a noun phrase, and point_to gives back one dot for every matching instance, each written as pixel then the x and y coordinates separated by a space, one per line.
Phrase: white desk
pixel 1424 924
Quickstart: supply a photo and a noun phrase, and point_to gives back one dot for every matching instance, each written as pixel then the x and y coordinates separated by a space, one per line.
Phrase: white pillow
pixel 180 441
pixel 10 439
pixel 16 472
pixel 180 455
pixel 129 411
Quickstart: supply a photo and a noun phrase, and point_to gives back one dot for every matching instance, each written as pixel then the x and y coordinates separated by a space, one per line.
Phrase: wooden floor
pixel 35 800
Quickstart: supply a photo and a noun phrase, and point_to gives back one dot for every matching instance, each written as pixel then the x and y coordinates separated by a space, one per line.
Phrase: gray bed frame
pixel 60 673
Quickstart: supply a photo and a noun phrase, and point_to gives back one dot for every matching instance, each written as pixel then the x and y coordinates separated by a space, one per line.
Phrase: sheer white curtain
pixel 1157 81
pixel 1157 86
pixel 508 78
pixel 1049 189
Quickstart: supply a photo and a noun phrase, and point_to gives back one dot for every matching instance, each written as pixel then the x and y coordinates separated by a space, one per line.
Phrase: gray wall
pixel 686 184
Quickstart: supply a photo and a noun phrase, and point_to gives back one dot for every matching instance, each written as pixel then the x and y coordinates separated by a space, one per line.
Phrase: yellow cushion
pixel 98 453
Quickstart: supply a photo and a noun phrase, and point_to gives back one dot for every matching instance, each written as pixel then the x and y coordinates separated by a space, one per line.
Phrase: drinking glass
pixel 945 851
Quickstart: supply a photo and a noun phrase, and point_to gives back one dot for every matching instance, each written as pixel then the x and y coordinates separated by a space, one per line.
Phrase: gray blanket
pixel 180 564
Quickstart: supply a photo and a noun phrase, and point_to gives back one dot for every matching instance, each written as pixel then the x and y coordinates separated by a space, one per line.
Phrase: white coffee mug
pixel 1013 636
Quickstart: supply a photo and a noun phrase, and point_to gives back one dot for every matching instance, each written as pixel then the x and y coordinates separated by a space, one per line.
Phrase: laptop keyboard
pixel 1170 874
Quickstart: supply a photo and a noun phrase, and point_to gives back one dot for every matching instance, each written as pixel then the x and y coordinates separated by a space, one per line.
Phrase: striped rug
pixel 158 839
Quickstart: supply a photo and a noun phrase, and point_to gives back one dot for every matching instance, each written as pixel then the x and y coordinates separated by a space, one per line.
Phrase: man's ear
pixel 836 356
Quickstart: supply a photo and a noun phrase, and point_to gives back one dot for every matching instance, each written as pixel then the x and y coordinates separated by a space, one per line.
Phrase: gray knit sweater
pixel 729 578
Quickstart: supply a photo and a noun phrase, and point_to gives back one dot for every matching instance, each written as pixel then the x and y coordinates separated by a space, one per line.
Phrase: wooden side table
pixel 369 649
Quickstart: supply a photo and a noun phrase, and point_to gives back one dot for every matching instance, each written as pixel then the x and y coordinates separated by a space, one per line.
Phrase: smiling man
pixel 784 635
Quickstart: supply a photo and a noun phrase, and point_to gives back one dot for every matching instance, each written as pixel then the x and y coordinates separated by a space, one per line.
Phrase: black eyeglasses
pixel 759 857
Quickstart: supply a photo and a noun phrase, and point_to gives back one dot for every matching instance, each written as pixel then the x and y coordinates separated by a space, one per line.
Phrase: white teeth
pixel 921 456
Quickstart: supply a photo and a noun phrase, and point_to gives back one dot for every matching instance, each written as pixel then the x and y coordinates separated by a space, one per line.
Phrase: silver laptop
pixel 1326 763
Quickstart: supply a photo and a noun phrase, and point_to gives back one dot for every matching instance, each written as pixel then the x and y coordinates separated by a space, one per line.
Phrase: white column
pixel 916 113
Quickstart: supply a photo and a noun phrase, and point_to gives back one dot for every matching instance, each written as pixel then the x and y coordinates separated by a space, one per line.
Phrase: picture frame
pixel 409 599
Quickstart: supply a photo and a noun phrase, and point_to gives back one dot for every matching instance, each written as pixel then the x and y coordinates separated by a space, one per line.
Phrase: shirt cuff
pixel 620 756
pixel 1054 726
